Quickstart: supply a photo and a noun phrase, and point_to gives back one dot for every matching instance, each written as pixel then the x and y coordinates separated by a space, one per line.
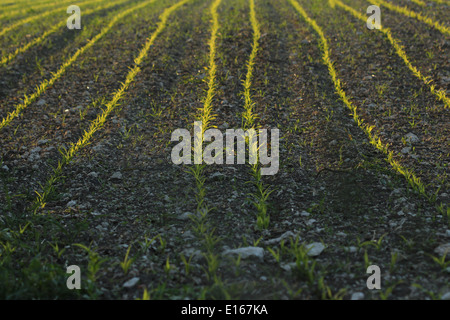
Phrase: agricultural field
pixel 87 122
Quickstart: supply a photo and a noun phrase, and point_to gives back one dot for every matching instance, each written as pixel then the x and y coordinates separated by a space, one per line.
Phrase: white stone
pixel 185 216
pixel 188 235
pixel 194 253
pixel 41 142
pixel 446 296
pixel 246 252
pixel 406 150
pixel 357 296
pixel 305 214
pixel 412 138
pixel 93 174
pixel 116 176
pixel 286 235
pixel 351 249
pixel 288 267
pixel 98 148
pixel 315 249
pixel 443 249
pixel 131 283
pixel 71 204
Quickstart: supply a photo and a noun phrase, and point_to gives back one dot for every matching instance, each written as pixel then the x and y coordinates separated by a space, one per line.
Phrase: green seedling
pixel 94 262
pixel 441 261
pixel 59 251
pixel 187 263
pixel 126 263
pixel 275 253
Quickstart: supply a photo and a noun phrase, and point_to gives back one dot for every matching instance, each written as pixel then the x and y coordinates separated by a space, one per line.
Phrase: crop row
pixel 206 113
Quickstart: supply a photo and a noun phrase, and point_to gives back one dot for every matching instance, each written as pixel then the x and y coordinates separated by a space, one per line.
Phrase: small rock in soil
pixel 286 235
pixel 315 249
pixel 443 249
pixel 116 176
pixel 406 150
pixel 131 283
pixel 93 174
pixel 412 138
pixel 446 296
pixel 185 216
pixel 246 252
pixel 41 142
pixel 288 267
pixel 357 296
pixel 194 253
pixel 305 214
pixel 71 204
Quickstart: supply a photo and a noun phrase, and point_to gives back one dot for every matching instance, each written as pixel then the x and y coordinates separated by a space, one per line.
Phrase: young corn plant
pixel 275 253
pixel 36 17
pixel 167 266
pixel 373 138
pixel 145 295
pixel 367 262
pixel 59 251
pixel 384 295
pixel 394 257
pixel 127 262
pixel 248 116
pixel 36 41
pixel 237 264
pixel 444 211
pixel 187 263
pixel 412 14
pixel 377 244
pixel 441 261
pixel 440 94
pixel 260 199
pixel 197 172
pixel 28 99
pixel 305 265
pixel 200 219
pixel 410 244
pixel 94 263
pixel 98 123
pixel 431 294
pixel 325 291
pixel 7 247
pixel 213 265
